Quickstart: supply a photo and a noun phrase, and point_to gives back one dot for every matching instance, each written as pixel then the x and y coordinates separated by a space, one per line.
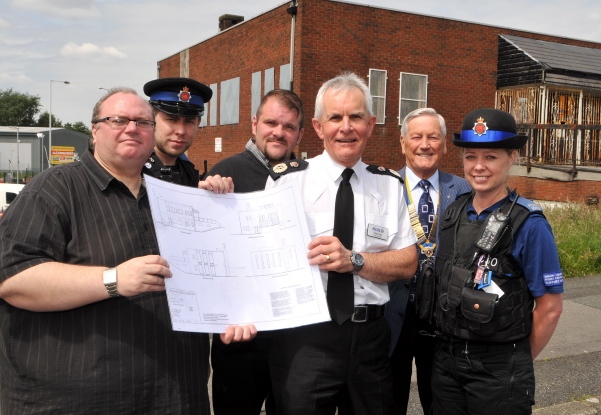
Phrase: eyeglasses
pixel 119 123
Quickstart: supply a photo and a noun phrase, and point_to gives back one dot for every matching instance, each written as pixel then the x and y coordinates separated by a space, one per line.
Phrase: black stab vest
pixel 460 310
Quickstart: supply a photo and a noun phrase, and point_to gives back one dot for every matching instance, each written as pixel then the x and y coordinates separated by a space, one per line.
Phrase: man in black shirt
pixel 241 381
pixel 178 107
pixel 278 129
pixel 84 320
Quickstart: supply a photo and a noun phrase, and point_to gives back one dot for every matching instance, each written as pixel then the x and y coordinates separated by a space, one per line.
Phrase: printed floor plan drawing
pixel 184 217
pixel 274 261
pixel 266 218
pixel 201 262
pixel 231 254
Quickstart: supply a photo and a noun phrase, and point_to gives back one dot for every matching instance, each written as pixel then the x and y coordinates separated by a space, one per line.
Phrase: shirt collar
pixel 98 173
pixel 334 170
pixel 252 147
pixel 414 180
pixel 472 212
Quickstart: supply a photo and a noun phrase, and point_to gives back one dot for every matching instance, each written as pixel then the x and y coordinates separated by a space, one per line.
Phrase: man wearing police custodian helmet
pixel 178 104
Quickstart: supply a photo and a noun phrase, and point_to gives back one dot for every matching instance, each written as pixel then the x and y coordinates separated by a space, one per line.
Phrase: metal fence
pixel 572 145
pixel 564 124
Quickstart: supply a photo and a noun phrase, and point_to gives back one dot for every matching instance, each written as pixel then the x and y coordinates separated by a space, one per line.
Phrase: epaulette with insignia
pixel 529 204
pixel 383 170
pixel 287 167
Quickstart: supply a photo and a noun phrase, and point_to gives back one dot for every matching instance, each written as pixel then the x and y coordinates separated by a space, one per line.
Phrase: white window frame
pixel 422 102
pixel 379 97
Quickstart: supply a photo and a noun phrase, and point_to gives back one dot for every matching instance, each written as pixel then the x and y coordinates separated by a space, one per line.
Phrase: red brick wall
pixel 459 58
pixel 254 45
pixel 575 191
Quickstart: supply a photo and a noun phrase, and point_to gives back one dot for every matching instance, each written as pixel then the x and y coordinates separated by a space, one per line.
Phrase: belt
pixel 367 312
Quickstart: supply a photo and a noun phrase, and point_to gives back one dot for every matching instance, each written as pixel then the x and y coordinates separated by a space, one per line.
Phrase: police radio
pixel 494 228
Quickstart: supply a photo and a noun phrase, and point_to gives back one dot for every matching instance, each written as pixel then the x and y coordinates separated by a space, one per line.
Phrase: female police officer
pixel 498 281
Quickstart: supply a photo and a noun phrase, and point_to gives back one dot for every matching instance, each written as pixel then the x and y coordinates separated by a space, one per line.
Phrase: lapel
pixel 448 191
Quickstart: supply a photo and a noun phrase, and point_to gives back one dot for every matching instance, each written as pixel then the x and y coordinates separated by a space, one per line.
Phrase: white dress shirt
pixel 378 200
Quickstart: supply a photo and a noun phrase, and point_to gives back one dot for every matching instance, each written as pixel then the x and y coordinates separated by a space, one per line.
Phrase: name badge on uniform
pixel 376 231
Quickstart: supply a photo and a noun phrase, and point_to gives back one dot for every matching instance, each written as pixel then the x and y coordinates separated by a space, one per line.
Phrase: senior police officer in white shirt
pixel 312 366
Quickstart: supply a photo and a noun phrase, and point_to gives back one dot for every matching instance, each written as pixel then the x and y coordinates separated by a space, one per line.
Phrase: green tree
pixel 17 108
pixel 79 126
pixel 43 120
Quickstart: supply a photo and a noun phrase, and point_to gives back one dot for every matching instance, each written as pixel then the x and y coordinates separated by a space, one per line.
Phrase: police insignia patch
pixel 384 171
pixel 185 95
pixel 480 127
pixel 280 168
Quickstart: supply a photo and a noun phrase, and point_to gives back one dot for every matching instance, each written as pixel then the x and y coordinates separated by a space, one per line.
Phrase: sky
pixel 97 44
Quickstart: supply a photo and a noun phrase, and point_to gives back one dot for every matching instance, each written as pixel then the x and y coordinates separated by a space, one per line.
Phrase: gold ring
pixel 328 258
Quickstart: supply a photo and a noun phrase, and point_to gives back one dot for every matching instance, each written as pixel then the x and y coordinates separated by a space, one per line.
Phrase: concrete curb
pixel 589 406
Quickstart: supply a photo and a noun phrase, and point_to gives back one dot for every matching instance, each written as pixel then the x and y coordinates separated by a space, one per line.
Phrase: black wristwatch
pixel 357 261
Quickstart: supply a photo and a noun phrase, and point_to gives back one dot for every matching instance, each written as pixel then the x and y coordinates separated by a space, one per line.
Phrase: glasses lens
pixel 144 124
pixel 117 122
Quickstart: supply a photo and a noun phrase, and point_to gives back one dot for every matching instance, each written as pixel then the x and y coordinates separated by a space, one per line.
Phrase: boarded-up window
pixel 285 76
pixel 255 93
pixel 213 106
pixel 269 80
pixel 229 110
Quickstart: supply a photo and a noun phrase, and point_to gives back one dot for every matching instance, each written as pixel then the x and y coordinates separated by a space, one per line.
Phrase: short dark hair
pixel 289 100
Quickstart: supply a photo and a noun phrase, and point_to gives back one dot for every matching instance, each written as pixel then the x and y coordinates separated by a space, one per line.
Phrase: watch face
pixel 109 276
pixel 357 261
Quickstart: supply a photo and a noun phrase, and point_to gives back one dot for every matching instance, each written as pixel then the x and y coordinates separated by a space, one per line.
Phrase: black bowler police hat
pixel 489 128
pixel 178 96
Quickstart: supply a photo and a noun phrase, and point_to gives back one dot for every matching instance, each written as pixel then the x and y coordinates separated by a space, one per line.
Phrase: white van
pixel 8 192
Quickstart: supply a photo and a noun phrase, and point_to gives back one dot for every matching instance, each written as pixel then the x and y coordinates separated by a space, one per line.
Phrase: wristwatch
pixel 109 278
pixel 357 261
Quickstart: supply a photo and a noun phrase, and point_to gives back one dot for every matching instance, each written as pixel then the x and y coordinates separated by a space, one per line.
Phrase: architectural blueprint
pixel 236 258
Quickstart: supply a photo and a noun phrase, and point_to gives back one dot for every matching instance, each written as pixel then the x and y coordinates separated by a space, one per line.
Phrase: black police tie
pixel 340 293
pixel 426 207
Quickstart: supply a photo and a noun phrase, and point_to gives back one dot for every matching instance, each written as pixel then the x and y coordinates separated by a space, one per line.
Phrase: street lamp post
pixel 50 120
pixel 18 167
pixel 41 137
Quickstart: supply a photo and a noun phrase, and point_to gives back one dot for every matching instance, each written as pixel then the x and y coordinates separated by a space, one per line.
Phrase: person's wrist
pixel 357 261
pixel 109 278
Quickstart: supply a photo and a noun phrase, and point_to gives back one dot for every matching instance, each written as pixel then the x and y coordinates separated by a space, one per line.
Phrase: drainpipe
pixel 292 12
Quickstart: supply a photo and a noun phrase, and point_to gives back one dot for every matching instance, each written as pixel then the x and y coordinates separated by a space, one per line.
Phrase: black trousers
pixel 483 378
pixel 241 381
pixel 415 340
pixel 312 365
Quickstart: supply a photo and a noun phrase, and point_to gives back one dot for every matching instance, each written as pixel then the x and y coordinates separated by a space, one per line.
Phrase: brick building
pixel 409 60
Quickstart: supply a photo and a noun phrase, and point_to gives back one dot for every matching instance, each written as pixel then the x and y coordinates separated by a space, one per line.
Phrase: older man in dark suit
pixel 428 192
